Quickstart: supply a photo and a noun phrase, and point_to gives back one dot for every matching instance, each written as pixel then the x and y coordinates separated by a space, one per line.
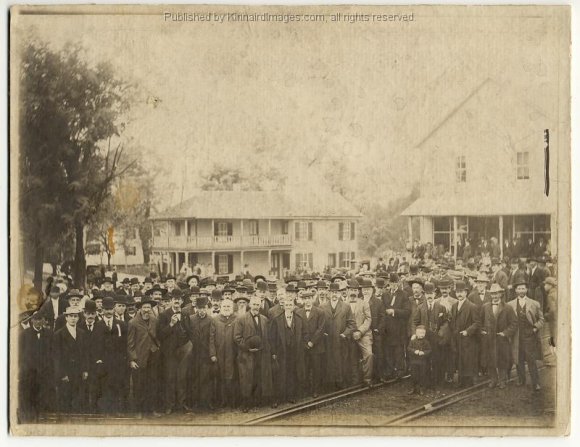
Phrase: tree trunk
pixel 109 260
pixel 38 263
pixel 80 263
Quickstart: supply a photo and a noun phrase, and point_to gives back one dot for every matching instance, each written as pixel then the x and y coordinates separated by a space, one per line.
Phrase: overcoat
pixel 465 347
pixel 70 356
pixel 535 316
pixel 340 321
pixel 279 347
pixel 201 365
pixel 395 326
pixel 142 339
pixel 244 328
pixel 222 345
pixel 498 352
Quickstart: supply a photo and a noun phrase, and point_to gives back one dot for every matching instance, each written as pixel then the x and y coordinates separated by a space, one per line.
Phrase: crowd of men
pixel 163 346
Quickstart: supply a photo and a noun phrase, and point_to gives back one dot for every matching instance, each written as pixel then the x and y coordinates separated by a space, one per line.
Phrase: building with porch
pixel 485 174
pixel 270 232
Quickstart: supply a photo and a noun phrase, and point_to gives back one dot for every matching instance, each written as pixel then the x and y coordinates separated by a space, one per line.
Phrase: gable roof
pixel 260 205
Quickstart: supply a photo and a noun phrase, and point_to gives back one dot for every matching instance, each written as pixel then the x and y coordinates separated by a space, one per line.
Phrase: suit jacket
pixel 465 319
pixel 115 363
pixel 536 318
pixel 395 326
pixel 361 313
pixel 141 339
pixel 287 344
pixel 497 348
pixel 377 309
pixel 414 309
pixel 35 350
pixel 95 350
pixel 70 356
pixel 340 321
pixel 313 329
pixel 47 310
pixel 431 320
pixel 174 337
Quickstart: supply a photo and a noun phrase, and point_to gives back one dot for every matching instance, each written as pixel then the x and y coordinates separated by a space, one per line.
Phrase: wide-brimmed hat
pixel 190 277
pixel 482 277
pixel 415 280
pixel 495 288
pixel 146 300
pixel 73 310
pixel 241 298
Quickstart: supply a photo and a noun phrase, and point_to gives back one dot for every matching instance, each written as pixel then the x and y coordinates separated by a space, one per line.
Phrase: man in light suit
pixel 526 344
pixel 361 347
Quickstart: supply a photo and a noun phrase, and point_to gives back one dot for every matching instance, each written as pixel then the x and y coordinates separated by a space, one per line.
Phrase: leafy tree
pixel 71 123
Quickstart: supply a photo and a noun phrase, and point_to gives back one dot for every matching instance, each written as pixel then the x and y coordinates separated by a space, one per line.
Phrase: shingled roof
pixel 260 205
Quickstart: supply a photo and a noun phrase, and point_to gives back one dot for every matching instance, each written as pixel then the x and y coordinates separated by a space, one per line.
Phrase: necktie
pixel 307 314
pixel 110 324
pixel 90 328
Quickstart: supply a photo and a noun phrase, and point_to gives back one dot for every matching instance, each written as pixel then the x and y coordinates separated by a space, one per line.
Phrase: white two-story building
pixel 488 172
pixel 270 232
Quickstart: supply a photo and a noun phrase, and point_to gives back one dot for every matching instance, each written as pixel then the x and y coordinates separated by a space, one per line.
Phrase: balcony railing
pixel 220 242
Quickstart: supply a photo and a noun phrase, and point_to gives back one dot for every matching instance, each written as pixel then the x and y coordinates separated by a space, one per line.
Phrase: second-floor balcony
pixel 221 242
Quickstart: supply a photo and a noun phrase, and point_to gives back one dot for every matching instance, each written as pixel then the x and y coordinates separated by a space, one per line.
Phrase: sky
pixel 303 94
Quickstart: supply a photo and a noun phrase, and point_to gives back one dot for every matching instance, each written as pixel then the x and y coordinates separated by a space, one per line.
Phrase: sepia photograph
pixel 289 220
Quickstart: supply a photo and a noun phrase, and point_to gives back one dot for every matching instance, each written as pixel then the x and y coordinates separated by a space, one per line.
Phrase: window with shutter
pixel 332 260
pixel 352 231
pixel 230 229
pixel 341 259
pixel 297 231
pixel 310 260
pixel 223 264
pixel 309 231
pixel 230 263
pixel 340 230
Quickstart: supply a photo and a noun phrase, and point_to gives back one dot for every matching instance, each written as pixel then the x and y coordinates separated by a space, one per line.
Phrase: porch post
pixel 455 237
pixel 410 230
pixel 269 261
pixel 501 236
pixel 242 260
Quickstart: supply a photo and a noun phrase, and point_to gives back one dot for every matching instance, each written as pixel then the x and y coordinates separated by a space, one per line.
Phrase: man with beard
pixel 340 326
pixel 202 386
pixel 526 347
pixel 433 317
pixel 35 369
pixel 222 351
pixel 144 357
pixel 499 326
pixel 287 354
pixel 254 357
pixel 464 330
pixel 377 329
pixel 313 329
pixel 70 362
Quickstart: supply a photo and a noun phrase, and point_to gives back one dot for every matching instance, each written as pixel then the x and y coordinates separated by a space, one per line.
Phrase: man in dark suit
pixel 35 369
pixel 71 369
pixel 174 333
pixel 536 276
pixel 202 379
pixel 433 316
pixel 95 337
pixel 526 344
pixel 115 366
pixel 53 307
pixel 144 357
pixel 479 297
pixel 254 356
pixel 397 311
pixel 287 349
pixel 464 330
pixel 340 327
pixel 314 324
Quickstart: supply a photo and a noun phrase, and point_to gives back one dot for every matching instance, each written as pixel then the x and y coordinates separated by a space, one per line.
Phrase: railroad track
pixel 318 402
pixel 443 402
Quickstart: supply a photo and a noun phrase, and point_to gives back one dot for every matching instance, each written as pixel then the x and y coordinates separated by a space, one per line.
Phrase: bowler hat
pixel 495 288
pixel 321 285
pixel 291 288
pixel 429 287
pixel 273 287
pixel 394 278
pixel 216 294
pixel 366 283
pixel 126 281
pixel 334 287
pixel 259 278
pixel 147 300
pixel 90 306
pixel 301 285
pixel 201 301
pixel 134 281
pixel 460 286
pixel 519 279
pixel 254 342
pixel 107 279
pixel 380 283
pixel 262 286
